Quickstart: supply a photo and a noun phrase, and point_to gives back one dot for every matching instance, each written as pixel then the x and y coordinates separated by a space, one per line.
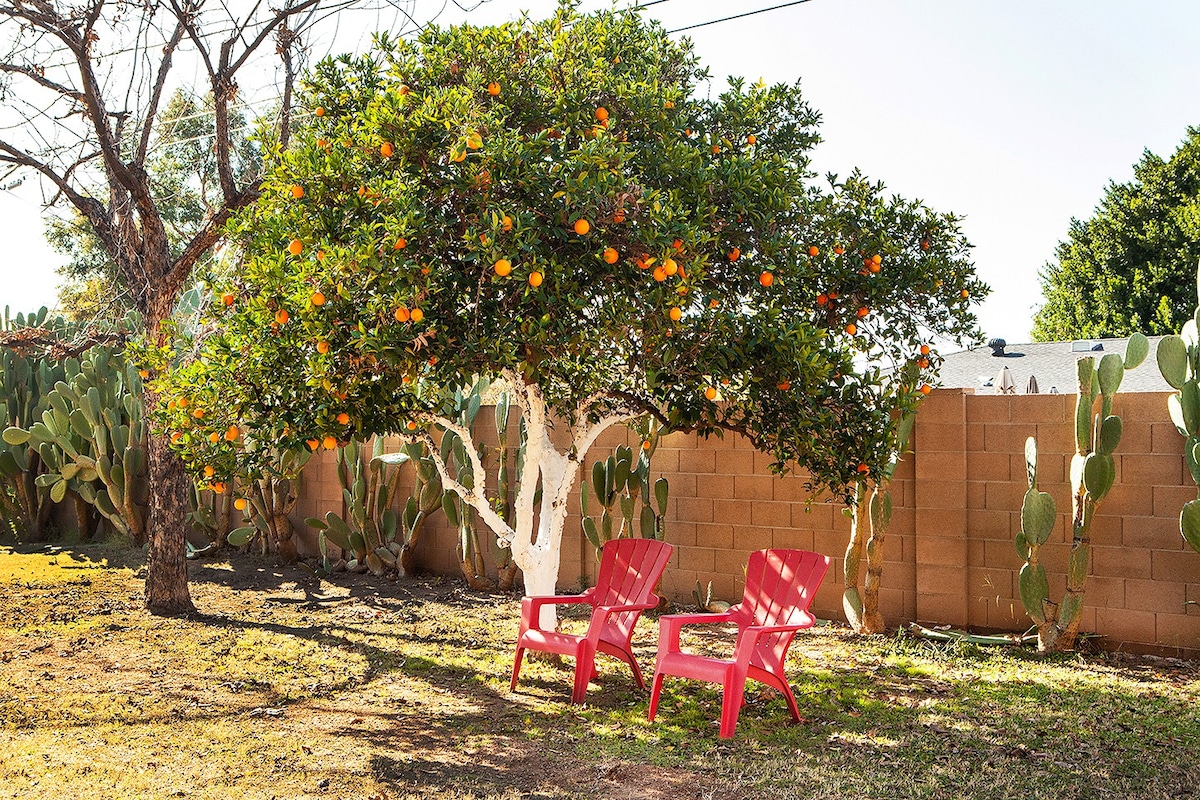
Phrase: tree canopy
pixel 1128 268
pixel 554 202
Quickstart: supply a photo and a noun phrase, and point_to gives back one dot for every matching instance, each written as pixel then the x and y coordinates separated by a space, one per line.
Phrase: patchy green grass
pixel 284 687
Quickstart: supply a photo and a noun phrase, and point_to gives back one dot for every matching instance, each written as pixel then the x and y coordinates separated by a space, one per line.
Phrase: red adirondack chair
pixel 780 585
pixel 629 571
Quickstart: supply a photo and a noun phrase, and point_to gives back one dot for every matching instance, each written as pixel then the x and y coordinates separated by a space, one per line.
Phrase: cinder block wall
pixel 949 554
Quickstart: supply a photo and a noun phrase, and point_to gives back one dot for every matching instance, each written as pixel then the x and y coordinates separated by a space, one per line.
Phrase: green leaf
pixel 1110 372
pixel 1189 524
pixel 1038 515
pixel 58 491
pixel 1098 474
pixel 1110 435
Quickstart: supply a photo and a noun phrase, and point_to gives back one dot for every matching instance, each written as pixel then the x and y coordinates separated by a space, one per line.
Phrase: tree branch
pixel 160 81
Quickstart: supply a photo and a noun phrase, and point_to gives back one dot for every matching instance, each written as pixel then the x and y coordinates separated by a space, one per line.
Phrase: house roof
pixel 1052 363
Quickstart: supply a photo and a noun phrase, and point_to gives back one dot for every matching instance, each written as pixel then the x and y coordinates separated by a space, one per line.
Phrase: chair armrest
pixel 748 637
pixel 531 607
pixel 600 615
pixel 669 626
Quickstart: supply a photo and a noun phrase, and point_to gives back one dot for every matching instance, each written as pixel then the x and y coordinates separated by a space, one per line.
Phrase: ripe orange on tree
pixel 297 191
pixel 924 349
pixel 416 315
pixel 660 274
pixel 863 311
pixel 535 279
pixel 317 299
pixel 676 313
pixel 710 393
pixel 838 249
pixel 232 433
pixel 851 329
pixel 240 504
pixel 402 314
pixel 766 278
pixel 669 266
pixel 814 251
pixel 734 254
pixel 214 437
pixel 295 247
pixel 783 385
pixel 209 472
pixel 227 298
pixel 502 267
pixel 282 316
pixel 343 418
pixel 602 114
pixel 582 226
pixel 320 112
pixel 506 223
pixel 610 255
pixel 313 444
pixel 322 346
pixel 493 89
pixel 619 216
pixel 400 244
pixel 926 388
pixel 329 442
pixel 751 139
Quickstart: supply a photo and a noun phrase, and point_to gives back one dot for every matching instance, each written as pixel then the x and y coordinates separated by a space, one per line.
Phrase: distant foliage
pixel 1128 268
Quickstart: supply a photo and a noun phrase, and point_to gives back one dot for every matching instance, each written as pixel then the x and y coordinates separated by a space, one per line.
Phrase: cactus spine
pixel 1179 362
pixel 1097 435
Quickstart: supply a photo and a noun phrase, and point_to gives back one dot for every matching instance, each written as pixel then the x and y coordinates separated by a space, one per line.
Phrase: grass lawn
pixel 288 688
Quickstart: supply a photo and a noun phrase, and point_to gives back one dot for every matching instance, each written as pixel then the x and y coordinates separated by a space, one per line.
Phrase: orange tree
pixel 550 203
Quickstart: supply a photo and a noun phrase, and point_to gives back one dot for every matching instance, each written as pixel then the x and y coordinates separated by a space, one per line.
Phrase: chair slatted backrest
pixel 629 570
pixel 780 586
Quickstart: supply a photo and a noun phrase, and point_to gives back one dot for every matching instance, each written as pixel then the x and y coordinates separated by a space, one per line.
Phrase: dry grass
pixel 286 688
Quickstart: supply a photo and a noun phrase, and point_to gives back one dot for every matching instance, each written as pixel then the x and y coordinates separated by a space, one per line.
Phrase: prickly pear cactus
pixel 371 523
pixel 1097 436
pixel 93 439
pixel 1179 362
pixel 619 484
pixel 25 383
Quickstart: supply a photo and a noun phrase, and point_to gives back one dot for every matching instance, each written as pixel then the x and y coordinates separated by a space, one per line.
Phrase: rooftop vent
pixel 997 346
pixel 1085 346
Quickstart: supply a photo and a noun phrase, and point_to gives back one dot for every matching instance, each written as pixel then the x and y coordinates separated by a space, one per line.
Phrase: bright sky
pixel 1014 115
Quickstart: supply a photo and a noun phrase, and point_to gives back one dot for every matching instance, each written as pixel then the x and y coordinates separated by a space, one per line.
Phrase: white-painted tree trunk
pixel 536 553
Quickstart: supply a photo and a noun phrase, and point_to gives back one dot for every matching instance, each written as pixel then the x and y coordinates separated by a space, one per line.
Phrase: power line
pixel 735 16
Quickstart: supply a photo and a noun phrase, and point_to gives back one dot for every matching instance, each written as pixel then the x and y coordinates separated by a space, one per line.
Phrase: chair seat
pixel 702 668
pixel 550 642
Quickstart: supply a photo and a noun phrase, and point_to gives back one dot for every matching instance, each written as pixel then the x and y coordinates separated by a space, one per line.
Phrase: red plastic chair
pixel 780 586
pixel 629 571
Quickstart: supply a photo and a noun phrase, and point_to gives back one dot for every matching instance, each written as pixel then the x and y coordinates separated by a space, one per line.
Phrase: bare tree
pixel 80 93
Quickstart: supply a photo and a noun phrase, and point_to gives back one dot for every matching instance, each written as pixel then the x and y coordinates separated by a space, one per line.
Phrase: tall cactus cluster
pixel 1179 362
pixel 92 438
pixel 371 523
pixel 266 507
pixel 1097 436
pixel 26 383
pixel 618 483
pixel 464 407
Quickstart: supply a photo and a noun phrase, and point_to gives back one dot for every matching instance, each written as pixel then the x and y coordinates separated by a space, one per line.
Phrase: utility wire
pixel 735 16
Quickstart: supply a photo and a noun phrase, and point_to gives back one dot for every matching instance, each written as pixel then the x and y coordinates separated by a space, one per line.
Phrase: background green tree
pixel 184 181
pixel 550 203
pixel 1128 268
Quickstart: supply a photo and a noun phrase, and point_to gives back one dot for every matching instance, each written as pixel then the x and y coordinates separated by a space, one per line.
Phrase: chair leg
pixel 655 691
pixel 516 668
pixel 731 704
pixel 637 673
pixel 791 700
pixel 585 668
